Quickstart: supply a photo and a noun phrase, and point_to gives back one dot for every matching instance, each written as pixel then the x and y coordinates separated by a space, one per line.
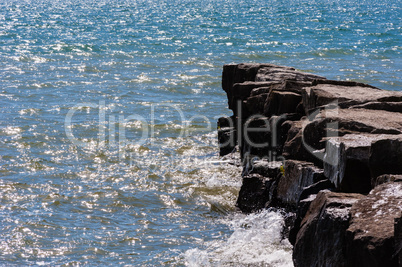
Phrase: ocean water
pixel 108 152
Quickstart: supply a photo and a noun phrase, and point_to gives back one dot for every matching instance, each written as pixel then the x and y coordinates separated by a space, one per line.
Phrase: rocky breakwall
pixel 328 151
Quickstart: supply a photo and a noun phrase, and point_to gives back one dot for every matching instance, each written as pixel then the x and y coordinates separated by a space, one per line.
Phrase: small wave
pixel 256 241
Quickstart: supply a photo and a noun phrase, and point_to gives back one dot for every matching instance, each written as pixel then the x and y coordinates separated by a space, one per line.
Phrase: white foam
pixel 256 240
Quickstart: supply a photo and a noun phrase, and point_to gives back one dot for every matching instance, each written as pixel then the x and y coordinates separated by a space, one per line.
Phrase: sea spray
pixel 256 240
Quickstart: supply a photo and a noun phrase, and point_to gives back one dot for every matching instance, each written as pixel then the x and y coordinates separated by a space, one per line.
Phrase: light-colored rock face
pixel 370 121
pixel 282 73
pixel 347 153
pixel 323 94
pixel 371 231
pixel 373 216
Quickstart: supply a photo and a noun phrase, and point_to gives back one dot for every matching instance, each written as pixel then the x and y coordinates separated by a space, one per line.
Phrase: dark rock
pixel 309 143
pixel 254 193
pixel 260 90
pixel 294 146
pixel 256 136
pixel 264 137
pixel 255 104
pixel 280 127
pixel 280 102
pixel 306 197
pixel 386 178
pixel 386 156
pixel 346 161
pixel 313 189
pixel 398 239
pixel 294 86
pixel 301 211
pixel 226 140
pixel 267 168
pixel 224 122
pixel 338 122
pixel 238 73
pixel 243 90
pixel 370 236
pixel 298 175
pixel 321 238
pixel 342 83
pixel 387 106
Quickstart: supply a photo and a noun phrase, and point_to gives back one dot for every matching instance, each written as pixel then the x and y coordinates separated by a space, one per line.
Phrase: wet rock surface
pixel 329 151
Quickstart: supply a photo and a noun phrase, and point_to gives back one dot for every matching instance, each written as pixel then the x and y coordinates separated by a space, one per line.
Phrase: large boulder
pixel 346 161
pixel 324 92
pixel 226 140
pixel 338 122
pixel 308 138
pixel 398 239
pixel 242 91
pixel 254 193
pixel 306 198
pixel 227 137
pixel 239 80
pixel 321 238
pixel 281 102
pixel 370 236
pixel 255 104
pixel 297 176
pixel 238 73
pixel 386 156
pixel 266 168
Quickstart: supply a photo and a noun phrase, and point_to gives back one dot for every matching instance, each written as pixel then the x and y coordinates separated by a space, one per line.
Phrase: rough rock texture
pixel 346 161
pixel 321 238
pixel 301 136
pixel 386 156
pixel 385 178
pixel 227 140
pixel 239 80
pixel 266 168
pixel 298 175
pixel 254 194
pixel 279 102
pixel 279 74
pixel 370 236
pixel 325 92
pixel 387 106
pixel 398 239
pixel 307 196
